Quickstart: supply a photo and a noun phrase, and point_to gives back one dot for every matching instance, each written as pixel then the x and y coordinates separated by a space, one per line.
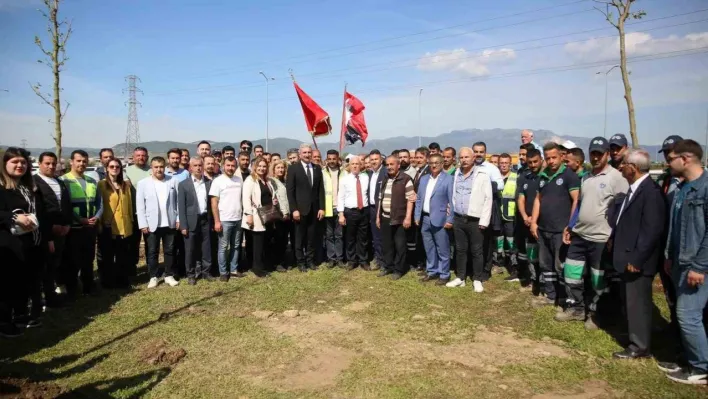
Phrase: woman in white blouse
pixel 279 172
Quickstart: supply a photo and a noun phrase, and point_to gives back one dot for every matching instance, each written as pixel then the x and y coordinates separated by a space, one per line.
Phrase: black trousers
pixel 21 283
pixel 260 256
pixel 116 259
pixel 637 299
pixel 81 247
pixel 376 237
pixel 165 235
pixel 551 254
pixel 393 238
pixel 197 248
pixel 305 237
pixel 52 267
pixel 357 235
pixel 180 258
pixel 279 242
pixel 469 245
pixel 135 248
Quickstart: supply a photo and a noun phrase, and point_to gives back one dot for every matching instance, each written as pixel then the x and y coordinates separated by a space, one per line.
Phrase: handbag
pixel 270 213
pixel 18 230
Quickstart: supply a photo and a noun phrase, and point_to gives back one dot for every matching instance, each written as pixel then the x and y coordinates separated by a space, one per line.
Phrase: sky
pixel 480 64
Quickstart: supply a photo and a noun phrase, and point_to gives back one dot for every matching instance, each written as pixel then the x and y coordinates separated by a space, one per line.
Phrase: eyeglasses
pixel 245 148
pixel 113 167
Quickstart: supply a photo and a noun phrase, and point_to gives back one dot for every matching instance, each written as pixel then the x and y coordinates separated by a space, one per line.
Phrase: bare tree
pixel 624 12
pixel 59 32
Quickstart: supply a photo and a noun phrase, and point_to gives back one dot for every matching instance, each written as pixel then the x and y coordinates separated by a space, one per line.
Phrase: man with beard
pixel 553 207
pixel 527 188
pixel 495 225
pixel 174 169
pixel 292 156
pixel 376 176
pixel 434 148
pixel 618 147
pixel 244 161
pixel 209 167
pixel 449 155
pixel 582 269
pixel 414 237
pixel 105 154
pixel 136 172
pixel 204 148
pixel 506 250
pixel 333 229
pixel 405 157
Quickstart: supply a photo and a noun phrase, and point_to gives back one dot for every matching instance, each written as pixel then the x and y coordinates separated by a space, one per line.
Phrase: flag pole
pixel 344 113
pixel 292 76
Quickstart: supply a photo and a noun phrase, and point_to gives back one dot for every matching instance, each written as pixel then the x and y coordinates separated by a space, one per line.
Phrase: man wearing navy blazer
pixel 376 176
pixel 638 222
pixel 431 214
pixel 156 203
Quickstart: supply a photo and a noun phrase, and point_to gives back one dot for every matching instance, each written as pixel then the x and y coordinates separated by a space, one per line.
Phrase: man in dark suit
pixel 415 255
pixel 194 222
pixel 58 213
pixel 376 176
pixel 636 245
pixel 307 200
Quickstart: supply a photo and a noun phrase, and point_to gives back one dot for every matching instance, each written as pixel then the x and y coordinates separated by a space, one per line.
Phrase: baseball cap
pixel 669 143
pixel 349 157
pixel 599 144
pixel 569 145
pixel 618 139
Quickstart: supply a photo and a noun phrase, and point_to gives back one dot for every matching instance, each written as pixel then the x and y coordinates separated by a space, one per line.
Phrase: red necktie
pixel 359 198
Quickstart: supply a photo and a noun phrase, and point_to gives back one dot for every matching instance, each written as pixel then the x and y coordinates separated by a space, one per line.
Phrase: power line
pixel 216 72
pixel 132 134
pixel 562 68
pixel 416 61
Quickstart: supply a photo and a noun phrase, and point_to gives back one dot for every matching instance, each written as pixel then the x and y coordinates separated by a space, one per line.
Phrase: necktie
pixel 309 174
pixel 359 197
pixel 625 203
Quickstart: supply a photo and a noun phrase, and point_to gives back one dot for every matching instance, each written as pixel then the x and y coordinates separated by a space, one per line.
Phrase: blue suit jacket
pixel 439 201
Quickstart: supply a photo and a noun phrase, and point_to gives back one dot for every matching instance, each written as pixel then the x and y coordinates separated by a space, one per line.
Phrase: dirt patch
pixel 24 388
pixel 159 353
pixel 593 389
pixel 487 351
pixel 501 297
pixel 309 330
pixel 357 306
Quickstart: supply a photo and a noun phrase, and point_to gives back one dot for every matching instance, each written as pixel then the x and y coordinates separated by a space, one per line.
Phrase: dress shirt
pixel 200 188
pixel 179 174
pixel 54 185
pixel 312 171
pixel 347 191
pixel 372 185
pixel 429 193
pixel 463 191
pixel 632 189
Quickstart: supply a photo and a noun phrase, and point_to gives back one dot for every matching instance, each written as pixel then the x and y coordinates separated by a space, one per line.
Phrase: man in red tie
pixel 353 208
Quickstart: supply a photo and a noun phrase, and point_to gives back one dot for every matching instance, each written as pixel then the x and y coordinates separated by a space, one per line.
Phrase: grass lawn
pixel 356 336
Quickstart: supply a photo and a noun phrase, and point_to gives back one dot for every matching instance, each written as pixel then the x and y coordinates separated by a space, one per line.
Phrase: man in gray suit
pixel 156 202
pixel 194 223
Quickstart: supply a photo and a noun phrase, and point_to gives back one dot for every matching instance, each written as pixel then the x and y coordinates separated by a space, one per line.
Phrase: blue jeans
pixel 229 246
pixel 689 311
pixel 437 249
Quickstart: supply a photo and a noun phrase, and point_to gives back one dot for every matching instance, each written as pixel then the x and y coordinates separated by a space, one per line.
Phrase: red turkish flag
pixel 316 118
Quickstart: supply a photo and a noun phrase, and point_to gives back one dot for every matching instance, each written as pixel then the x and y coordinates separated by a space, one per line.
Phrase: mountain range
pixel 497 140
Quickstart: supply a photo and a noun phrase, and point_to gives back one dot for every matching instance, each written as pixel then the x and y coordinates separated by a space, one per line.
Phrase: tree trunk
pixel 627 85
pixel 55 70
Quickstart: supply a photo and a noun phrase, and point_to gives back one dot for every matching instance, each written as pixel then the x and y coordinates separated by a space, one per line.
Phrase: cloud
pixel 460 60
pixel 636 43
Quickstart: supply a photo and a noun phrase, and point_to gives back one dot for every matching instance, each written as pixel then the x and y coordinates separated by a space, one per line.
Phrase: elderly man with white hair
pixel 306 197
pixel 527 138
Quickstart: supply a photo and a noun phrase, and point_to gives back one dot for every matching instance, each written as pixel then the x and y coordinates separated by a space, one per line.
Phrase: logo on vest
pixel 559 181
pixel 543 183
pixel 526 186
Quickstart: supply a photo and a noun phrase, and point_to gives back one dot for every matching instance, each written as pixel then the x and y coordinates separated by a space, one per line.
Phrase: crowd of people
pixel 584 241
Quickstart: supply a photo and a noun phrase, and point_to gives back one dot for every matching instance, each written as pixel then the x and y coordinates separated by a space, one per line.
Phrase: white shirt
pixel 312 171
pixel 228 190
pixel 632 189
pixel 347 191
pixel 200 188
pixel 162 191
pixel 429 193
pixel 494 174
pixel 372 185
pixel 54 185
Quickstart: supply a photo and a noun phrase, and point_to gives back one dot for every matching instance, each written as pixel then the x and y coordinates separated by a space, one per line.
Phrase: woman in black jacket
pixel 22 247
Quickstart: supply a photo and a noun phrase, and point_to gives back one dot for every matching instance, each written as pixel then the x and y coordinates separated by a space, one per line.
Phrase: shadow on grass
pixel 63 323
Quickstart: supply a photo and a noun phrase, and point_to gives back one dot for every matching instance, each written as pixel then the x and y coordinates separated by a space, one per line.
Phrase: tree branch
pixel 63 114
pixel 39 94
pixel 68 33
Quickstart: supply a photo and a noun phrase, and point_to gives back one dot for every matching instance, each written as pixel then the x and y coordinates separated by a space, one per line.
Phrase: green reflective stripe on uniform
pixel 532 252
pixel 509 197
pixel 598 279
pixel 573 271
pixel 500 244
pixel 510 243
pixel 329 200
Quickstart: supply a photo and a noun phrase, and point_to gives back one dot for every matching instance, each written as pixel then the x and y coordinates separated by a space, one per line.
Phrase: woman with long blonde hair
pixel 283 228
pixel 258 193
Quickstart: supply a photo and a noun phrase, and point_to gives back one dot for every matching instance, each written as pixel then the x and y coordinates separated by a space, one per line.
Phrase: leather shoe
pixel 442 281
pixel 428 278
pixel 384 273
pixel 630 354
pixel 366 267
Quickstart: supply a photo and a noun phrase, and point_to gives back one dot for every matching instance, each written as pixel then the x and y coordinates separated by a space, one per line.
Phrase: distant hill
pixel 497 140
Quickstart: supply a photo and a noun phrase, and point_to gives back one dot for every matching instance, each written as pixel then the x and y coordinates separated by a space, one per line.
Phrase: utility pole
pixel 132 135
pixel 420 120
pixel 705 149
pixel 267 79
pixel 604 134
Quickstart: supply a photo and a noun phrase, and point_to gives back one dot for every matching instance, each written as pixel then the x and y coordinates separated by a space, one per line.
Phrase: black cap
pixel 599 144
pixel 669 143
pixel 618 139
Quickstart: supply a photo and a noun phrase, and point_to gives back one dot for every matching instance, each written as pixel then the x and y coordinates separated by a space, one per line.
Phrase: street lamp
pixel 604 132
pixel 420 121
pixel 267 79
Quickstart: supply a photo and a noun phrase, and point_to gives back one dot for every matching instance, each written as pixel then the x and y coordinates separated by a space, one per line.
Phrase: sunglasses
pixel 113 167
pixel 245 148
